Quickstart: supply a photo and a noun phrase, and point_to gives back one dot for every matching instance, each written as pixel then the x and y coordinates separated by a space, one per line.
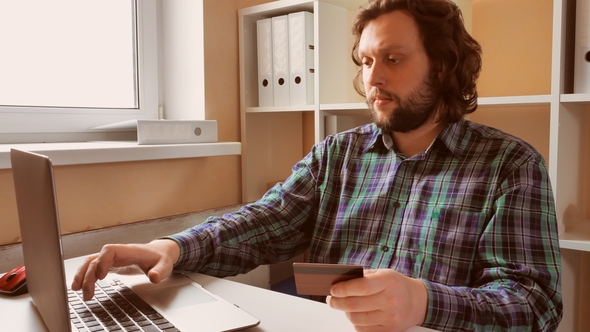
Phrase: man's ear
pixel 439 69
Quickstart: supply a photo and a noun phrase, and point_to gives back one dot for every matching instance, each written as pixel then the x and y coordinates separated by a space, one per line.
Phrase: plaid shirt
pixel 473 217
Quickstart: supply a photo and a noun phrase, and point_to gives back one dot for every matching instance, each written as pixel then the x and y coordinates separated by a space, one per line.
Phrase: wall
pixel 103 195
pixel 516 41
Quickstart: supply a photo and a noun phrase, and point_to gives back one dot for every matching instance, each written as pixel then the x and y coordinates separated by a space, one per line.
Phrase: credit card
pixel 317 278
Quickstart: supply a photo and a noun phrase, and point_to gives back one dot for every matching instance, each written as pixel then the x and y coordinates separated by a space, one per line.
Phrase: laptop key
pixel 172 329
pixel 140 304
pixel 165 326
pixel 95 328
pixel 150 328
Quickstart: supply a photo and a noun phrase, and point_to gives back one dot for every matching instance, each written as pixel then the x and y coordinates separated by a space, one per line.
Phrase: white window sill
pixel 108 152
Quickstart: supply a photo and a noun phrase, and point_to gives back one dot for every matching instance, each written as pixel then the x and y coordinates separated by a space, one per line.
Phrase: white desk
pixel 276 311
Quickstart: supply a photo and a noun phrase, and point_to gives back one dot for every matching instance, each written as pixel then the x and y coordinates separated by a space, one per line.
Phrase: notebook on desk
pixel 175 304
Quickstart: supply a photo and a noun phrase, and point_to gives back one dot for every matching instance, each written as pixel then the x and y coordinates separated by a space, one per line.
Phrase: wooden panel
pixel 273 145
pixel 528 123
pixel 103 195
pixel 570 290
pixel 8 215
pixel 516 39
pixel 308 132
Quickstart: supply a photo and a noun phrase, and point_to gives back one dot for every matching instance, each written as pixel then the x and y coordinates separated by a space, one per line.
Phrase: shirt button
pixel 385 248
pixel 396 204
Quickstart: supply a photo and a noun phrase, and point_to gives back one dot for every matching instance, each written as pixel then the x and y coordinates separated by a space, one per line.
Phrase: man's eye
pixel 394 60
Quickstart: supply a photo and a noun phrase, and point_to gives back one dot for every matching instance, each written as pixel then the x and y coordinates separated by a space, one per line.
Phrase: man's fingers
pixel 368 285
pixel 354 304
pixel 365 318
pixel 81 272
pixel 89 281
pixel 154 259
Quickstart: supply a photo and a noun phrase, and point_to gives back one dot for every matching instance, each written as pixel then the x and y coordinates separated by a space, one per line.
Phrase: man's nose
pixel 374 75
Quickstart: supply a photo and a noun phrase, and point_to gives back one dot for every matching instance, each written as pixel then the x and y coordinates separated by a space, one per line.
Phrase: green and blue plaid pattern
pixel 473 216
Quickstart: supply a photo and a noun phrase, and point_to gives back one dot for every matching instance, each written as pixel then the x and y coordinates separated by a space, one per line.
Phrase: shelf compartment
pixel 576 237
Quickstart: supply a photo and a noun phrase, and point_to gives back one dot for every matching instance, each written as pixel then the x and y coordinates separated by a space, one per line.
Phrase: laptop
pixel 176 304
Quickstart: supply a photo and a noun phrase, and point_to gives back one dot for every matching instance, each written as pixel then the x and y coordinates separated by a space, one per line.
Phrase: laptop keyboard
pixel 115 307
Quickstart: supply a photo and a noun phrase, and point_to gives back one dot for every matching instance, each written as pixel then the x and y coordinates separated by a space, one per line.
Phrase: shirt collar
pixel 375 140
pixel 453 136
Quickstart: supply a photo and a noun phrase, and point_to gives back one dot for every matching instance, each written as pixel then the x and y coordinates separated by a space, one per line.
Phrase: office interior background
pixel 525 75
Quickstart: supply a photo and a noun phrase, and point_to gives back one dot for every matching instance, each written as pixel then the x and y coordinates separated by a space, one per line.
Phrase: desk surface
pixel 276 311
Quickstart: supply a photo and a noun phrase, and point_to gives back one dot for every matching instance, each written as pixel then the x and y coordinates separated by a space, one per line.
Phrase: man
pixel 454 221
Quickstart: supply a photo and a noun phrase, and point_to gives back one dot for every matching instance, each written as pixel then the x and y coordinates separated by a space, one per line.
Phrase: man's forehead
pixel 395 31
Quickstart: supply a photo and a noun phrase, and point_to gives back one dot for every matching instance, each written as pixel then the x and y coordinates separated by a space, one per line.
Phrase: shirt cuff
pixel 192 253
pixel 439 313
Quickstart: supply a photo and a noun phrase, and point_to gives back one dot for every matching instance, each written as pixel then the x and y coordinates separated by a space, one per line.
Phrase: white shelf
pixel 282 7
pixel 108 152
pixel 535 100
pixel 576 237
pixel 575 98
pixel 345 109
pixel 276 8
pixel 349 4
pixel 295 108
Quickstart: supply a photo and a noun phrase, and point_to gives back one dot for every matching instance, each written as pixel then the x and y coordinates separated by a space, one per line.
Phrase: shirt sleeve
pixel 515 283
pixel 272 229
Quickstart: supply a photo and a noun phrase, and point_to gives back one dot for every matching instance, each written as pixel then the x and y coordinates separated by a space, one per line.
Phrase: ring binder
pixel 280 55
pixel 301 58
pixel 264 48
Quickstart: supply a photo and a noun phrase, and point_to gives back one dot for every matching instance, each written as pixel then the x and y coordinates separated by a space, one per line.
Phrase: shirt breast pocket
pixel 452 241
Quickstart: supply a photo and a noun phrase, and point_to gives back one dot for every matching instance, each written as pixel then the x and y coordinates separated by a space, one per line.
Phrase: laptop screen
pixel 41 239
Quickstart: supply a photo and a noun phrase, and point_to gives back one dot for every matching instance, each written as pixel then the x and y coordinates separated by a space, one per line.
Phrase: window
pixel 69 65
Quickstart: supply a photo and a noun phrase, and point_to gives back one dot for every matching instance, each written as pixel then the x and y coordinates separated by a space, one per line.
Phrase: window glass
pixel 68 66
pixel 68 53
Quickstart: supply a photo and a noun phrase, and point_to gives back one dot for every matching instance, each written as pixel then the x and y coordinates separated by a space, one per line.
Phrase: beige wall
pixel 102 195
pixel 516 41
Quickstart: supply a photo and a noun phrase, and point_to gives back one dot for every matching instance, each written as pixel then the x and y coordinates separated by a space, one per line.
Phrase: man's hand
pixel 383 300
pixel 156 259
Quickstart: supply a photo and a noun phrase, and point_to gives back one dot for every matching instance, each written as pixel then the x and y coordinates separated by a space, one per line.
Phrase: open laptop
pixel 180 304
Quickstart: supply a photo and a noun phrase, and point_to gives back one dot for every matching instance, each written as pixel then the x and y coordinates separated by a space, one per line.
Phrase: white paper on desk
pixel 264 48
pixel 280 55
pixel 582 48
pixel 301 58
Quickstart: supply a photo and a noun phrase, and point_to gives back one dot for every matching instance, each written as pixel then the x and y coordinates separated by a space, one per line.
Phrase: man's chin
pixel 379 116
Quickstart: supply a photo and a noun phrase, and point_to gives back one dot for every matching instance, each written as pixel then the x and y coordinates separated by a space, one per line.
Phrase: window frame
pixel 25 123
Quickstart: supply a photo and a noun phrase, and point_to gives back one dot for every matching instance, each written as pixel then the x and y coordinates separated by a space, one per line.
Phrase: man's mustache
pixel 378 93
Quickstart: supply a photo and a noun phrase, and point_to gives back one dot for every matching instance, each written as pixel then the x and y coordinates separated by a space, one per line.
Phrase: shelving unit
pixel 514 95
pixel 279 133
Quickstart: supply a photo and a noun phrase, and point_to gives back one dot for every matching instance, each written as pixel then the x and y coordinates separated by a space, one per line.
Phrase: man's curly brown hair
pixel 452 52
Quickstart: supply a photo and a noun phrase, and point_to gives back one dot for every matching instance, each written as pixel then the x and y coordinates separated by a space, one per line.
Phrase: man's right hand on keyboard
pixel 156 259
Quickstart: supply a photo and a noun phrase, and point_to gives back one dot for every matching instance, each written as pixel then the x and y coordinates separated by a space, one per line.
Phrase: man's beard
pixel 409 114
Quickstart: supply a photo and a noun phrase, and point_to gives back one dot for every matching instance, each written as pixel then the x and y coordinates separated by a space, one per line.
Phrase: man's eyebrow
pixel 388 49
